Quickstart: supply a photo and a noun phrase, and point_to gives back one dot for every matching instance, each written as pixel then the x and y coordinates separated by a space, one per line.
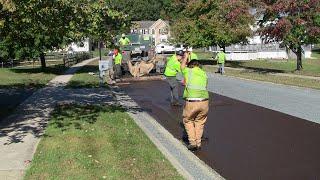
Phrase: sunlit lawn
pixel 311 67
pixel 28 76
pixel 263 76
pixel 82 78
pixel 95 142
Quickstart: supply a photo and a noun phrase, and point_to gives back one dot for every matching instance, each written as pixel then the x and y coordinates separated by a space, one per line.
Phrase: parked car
pixel 164 48
pixel 180 47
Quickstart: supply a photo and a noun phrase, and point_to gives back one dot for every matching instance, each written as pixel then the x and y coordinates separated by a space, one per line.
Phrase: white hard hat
pixel 189 48
pixel 123 35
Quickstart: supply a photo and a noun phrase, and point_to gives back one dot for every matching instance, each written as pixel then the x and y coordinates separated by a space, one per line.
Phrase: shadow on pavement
pixel 31 116
pixel 57 70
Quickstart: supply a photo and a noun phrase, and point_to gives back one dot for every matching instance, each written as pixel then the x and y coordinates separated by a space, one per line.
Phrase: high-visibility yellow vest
pixel 173 66
pixel 124 41
pixel 118 59
pixel 196 81
pixel 192 56
pixel 221 56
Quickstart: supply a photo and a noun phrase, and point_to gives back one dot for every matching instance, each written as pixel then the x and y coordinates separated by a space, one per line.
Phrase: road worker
pixel 117 57
pixel 196 96
pixel 171 71
pixel 221 59
pixel 124 41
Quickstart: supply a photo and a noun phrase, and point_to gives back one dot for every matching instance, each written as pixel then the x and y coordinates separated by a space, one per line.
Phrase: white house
pixel 83 46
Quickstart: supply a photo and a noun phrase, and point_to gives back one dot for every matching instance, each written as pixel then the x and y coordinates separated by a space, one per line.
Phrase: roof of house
pixel 144 24
pixel 147 24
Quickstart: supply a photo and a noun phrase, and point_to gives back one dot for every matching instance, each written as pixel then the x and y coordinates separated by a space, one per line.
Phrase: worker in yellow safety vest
pixel 124 41
pixel 221 59
pixel 171 71
pixel 191 55
pixel 117 63
pixel 196 96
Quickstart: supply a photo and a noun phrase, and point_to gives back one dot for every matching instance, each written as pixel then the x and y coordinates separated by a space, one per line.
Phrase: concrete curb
pixel 186 163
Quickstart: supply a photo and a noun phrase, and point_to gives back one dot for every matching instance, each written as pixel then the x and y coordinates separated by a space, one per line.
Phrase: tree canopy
pixel 30 28
pixel 213 22
pixel 292 22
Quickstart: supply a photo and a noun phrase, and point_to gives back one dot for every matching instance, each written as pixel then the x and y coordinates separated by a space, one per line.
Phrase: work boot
pixel 192 147
pixel 176 104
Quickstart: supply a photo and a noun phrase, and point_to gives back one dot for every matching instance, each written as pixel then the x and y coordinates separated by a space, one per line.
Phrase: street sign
pixel 105 65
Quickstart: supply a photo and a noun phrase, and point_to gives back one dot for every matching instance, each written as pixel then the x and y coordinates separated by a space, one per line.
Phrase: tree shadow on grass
pixel 31 117
pixel 70 116
pixel 238 64
pixel 57 70
pixel 87 69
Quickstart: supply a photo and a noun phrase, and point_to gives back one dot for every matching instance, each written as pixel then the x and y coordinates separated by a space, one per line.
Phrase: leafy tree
pixel 293 22
pixel 104 23
pixel 138 10
pixel 213 22
pixel 30 28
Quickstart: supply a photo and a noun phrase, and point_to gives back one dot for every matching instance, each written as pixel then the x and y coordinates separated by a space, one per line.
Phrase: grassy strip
pixel 82 78
pixel 261 76
pixel 95 142
pixel 311 67
pixel 104 51
pixel 28 76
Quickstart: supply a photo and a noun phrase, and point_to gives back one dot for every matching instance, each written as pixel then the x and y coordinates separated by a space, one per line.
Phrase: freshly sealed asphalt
pixel 244 141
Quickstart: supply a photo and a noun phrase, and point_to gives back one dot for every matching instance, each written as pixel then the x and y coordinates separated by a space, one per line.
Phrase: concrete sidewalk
pixel 21 132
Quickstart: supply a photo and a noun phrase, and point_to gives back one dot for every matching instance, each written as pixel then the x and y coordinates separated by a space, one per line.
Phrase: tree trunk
pixel 224 48
pixel 299 59
pixel 43 60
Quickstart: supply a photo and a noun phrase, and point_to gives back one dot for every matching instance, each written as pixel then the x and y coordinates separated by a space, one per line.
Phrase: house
pixel 159 30
pixel 82 46
pixel 257 48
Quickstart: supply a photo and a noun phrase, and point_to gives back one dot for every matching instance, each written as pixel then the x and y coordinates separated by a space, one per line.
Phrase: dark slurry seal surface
pixel 244 141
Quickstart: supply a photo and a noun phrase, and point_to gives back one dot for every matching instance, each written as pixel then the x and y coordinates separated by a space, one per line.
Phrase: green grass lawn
pixel 96 142
pixel 28 76
pixel 311 67
pixel 84 80
pixel 103 52
pixel 202 55
pixel 262 76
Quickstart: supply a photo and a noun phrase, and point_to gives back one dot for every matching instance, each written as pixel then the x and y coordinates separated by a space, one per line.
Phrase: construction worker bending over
pixel 171 71
pixel 221 59
pixel 117 63
pixel 124 41
pixel 196 96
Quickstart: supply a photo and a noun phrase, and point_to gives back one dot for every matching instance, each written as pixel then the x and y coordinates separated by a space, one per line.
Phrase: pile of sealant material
pixel 141 68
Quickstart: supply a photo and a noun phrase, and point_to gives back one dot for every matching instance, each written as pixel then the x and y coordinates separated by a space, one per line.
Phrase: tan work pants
pixel 194 117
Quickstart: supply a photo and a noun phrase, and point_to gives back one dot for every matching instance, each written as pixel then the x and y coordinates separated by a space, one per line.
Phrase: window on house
pixel 153 31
